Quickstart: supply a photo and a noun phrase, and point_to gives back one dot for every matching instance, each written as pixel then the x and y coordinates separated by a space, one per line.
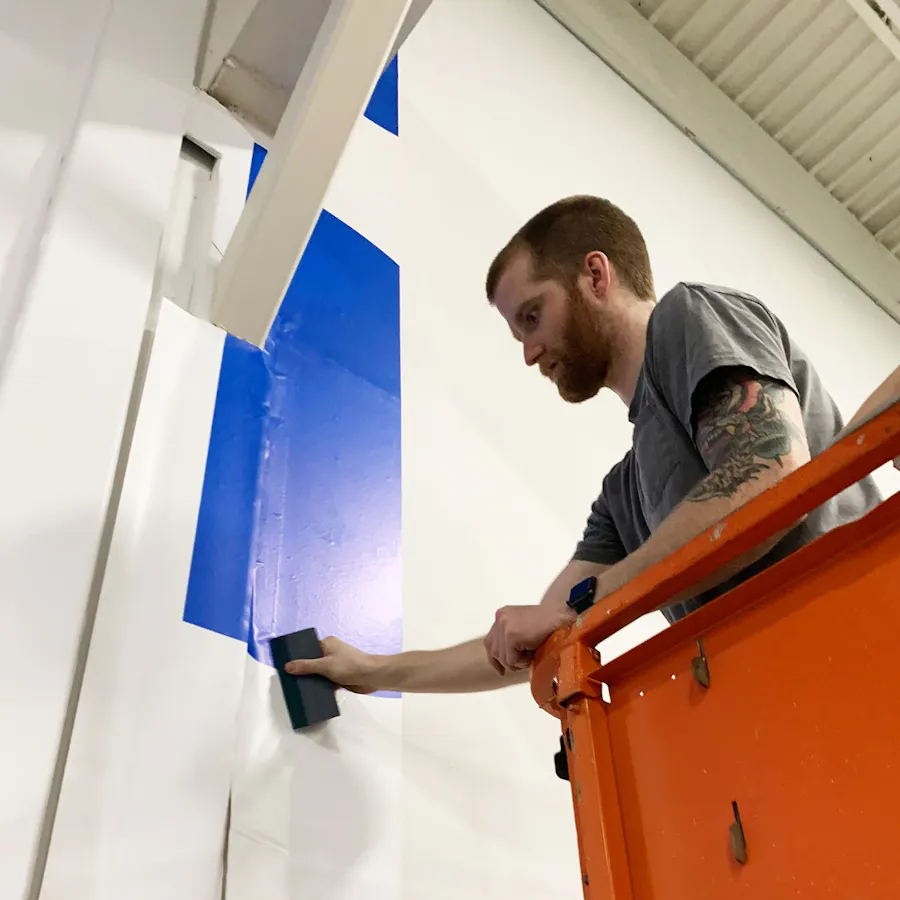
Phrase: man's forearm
pixel 461 669
pixel 686 521
pixel 467 668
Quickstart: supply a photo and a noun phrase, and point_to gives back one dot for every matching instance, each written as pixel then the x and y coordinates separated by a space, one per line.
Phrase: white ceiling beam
pixel 883 19
pixel 621 37
pixel 255 50
pixel 225 20
pixel 353 46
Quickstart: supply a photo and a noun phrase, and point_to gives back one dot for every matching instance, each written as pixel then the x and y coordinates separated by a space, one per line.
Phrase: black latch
pixel 738 839
pixel 700 666
pixel 561 761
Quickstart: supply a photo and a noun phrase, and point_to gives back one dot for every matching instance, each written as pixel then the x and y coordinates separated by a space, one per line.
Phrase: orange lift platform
pixel 751 750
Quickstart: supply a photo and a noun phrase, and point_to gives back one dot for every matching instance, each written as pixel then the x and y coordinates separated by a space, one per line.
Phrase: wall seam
pixel 93 599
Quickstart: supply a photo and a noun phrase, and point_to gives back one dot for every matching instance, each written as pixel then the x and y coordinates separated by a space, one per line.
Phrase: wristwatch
pixel 581 597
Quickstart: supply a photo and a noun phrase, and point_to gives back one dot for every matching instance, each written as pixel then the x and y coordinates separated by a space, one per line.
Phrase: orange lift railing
pixel 751 750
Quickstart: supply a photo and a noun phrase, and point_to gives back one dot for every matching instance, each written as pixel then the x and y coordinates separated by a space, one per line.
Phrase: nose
pixel 532 352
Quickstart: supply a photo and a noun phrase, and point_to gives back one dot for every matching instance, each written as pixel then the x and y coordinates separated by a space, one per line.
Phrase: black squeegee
pixel 310 699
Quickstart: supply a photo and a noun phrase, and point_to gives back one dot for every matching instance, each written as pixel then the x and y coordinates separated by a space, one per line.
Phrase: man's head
pixel 565 283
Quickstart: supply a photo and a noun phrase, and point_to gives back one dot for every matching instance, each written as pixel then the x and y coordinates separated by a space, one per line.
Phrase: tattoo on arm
pixel 745 425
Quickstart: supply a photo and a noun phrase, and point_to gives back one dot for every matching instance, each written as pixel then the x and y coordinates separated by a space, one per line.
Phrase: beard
pixel 583 363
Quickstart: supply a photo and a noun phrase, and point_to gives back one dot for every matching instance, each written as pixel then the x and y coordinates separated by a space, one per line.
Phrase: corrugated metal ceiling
pixel 817 76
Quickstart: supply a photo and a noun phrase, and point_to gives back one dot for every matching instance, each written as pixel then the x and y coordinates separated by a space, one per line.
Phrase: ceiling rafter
pixel 882 18
pixel 798 99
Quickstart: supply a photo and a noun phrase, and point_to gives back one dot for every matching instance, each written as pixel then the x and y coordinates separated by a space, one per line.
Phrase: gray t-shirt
pixel 694 330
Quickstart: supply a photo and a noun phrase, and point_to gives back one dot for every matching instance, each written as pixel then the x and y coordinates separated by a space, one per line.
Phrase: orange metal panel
pixel 601 837
pixel 799 725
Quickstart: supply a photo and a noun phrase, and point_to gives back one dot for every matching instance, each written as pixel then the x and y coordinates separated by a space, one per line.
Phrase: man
pixel 723 402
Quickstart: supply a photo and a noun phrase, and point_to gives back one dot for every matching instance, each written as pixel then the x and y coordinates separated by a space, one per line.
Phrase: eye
pixel 533 318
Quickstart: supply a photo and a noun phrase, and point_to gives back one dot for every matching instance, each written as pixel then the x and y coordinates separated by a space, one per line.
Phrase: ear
pixel 599 269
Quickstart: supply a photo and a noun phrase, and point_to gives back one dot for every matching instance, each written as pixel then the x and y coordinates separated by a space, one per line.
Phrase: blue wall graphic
pixel 382 107
pixel 299 521
pixel 217 595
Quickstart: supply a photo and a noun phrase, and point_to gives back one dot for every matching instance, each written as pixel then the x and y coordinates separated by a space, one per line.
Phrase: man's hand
pixel 342 664
pixel 518 631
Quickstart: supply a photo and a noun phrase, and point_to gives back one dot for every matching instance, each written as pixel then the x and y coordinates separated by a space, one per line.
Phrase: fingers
pixel 524 659
pixel 502 651
pixel 495 645
pixel 518 660
pixel 496 665
pixel 314 666
pixel 491 653
pixel 306 667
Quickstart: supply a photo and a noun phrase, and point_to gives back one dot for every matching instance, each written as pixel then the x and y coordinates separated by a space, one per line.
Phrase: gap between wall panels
pixel 179 277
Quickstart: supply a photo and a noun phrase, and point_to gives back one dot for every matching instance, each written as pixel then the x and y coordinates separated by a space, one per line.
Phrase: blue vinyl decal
pixel 383 104
pixel 299 520
pixel 217 595
pixel 328 538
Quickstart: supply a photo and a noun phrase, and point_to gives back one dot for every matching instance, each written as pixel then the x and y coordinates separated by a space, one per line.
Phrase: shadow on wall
pixel 316 813
pixel 330 816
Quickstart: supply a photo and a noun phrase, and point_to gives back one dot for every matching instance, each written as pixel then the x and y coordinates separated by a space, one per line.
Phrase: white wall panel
pixel 145 717
pixel 68 377
pixel 48 51
pixel 144 797
pixel 316 814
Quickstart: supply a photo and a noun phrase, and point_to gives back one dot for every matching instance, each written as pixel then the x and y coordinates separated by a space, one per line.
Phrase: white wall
pixel 144 797
pixel 502 112
pixel 48 51
pixel 100 94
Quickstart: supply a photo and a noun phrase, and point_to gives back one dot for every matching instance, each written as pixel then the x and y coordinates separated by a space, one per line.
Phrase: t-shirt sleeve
pixel 695 330
pixel 600 542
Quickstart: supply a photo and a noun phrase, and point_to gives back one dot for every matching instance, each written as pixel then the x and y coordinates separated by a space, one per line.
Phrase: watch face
pixel 583 593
